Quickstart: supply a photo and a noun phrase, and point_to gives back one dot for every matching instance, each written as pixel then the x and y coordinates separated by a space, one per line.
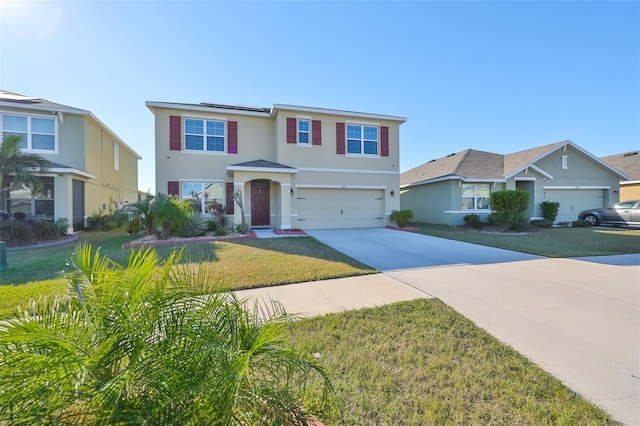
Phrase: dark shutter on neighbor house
pixel 173 187
pixel 291 130
pixel 316 132
pixel 232 130
pixel 175 133
pixel 340 138
pixel 230 200
pixel 384 141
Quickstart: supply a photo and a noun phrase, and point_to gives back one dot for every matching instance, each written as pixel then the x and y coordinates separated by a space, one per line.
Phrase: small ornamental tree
pixel 549 210
pixel 508 208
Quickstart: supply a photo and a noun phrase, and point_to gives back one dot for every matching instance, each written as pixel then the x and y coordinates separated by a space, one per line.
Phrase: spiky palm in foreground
pixel 18 165
pixel 149 344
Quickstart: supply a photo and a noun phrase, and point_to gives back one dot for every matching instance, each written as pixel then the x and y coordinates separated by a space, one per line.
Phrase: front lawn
pixel 553 242
pixel 421 363
pixel 241 264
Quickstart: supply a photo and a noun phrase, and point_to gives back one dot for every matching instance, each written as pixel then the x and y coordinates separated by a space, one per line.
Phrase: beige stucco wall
pixel 111 189
pixel 629 191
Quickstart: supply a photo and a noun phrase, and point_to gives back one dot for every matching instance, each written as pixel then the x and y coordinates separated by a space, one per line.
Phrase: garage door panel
pixel 340 208
pixel 573 201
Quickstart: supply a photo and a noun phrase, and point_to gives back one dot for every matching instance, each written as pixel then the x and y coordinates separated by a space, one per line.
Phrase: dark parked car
pixel 624 213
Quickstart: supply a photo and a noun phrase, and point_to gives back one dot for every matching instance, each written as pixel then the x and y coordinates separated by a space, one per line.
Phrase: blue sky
pixel 495 76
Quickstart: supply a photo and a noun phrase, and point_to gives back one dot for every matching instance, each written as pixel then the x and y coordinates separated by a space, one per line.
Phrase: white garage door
pixel 340 208
pixel 573 201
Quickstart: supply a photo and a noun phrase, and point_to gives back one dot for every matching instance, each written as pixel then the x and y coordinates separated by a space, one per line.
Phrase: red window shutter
pixel 291 130
pixel 384 141
pixel 173 188
pixel 230 200
pixel 316 132
pixel 175 133
pixel 232 130
pixel 340 138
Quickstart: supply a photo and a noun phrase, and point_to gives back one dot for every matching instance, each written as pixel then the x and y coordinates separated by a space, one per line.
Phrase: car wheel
pixel 591 218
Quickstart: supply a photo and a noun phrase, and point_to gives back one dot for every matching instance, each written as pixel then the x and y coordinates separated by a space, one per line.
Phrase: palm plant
pixel 19 166
pixel 169 215
pixel 150 343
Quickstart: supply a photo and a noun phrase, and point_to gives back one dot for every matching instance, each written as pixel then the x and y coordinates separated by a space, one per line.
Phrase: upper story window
pixel 475 196
pixel 116 156
pixel 362 139
pixel 203 135
pixel 36 133
pixel 303 131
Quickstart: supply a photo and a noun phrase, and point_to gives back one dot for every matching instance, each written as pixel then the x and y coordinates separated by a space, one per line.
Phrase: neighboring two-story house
pixel 92 168
pixel 293 166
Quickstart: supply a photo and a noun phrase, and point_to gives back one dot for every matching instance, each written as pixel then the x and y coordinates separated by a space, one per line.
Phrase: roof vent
pixel 630 154
pixel 451 155
pixel 431 161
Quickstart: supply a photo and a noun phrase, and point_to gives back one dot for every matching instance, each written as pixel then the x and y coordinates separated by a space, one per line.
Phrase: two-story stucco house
pixel 92 168
pixel 294 166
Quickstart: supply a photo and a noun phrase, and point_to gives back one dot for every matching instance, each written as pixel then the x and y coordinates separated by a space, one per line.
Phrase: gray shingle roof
pixel 263 164
pixel 628 163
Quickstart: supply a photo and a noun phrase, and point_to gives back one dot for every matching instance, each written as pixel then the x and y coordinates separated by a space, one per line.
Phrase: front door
pixel 260 209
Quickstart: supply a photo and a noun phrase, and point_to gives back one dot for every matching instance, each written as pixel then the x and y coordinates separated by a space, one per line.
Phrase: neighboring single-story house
pixel 294 166
pixel 446 189
pixel 629 164
pixel 91 167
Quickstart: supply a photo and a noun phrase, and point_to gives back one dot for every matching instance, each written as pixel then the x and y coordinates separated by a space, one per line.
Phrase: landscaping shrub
pixel 508 208
pixel 195 226
pixel 549 210
pixel 98 220
pixel 491 219
pixel 168 215
pixel 472 220
pixel 243 228
pixel 211 225
pixel 152 343
pixel 541 223
pixel 580 224
pixel 43 229
pixel 401 217
pixel 17 233
pixel 62 225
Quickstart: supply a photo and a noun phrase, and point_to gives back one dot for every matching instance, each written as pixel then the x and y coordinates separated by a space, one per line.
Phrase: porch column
pixel 285 205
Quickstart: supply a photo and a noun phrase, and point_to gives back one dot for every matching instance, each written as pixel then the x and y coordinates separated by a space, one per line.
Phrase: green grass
pixel 421 363
pixel 553 242
pixel 240 264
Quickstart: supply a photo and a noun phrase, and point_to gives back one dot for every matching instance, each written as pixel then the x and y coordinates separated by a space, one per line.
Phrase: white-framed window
pixel 362 139
pixel 304 131
pixel 37 134
pixel 565 162
pixel 476 196
pixel 24 200
pixel 204 135
pixel 116 156
pixel 206 197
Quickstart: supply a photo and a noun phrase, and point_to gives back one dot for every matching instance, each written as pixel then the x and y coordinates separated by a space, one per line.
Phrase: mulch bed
pixel 289 232
pixel 404 228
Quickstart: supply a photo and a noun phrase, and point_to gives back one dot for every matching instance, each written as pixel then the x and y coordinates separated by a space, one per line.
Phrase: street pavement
pixel 578 319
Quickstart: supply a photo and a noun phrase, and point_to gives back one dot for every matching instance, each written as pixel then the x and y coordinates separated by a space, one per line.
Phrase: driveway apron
pixel 388 249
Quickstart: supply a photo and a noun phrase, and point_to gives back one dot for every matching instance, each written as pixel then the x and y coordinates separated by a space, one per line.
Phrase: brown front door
pixel 260 210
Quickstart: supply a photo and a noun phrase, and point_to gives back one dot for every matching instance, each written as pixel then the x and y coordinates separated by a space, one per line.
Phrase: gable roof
pixel 481 166
pixel 263 166
pixel 627 162
pixel 16 100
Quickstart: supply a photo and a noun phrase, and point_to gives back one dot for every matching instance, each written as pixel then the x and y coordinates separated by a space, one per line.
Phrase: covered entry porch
pixel 265 192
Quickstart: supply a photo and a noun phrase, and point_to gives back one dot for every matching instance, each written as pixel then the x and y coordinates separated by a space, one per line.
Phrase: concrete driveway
pixel 389 249
pixel 579 319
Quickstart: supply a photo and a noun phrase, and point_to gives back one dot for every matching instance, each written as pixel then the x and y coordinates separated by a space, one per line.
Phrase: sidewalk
pixel 328 296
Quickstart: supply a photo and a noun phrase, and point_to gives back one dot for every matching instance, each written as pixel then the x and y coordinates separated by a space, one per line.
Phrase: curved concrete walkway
pixel 579 319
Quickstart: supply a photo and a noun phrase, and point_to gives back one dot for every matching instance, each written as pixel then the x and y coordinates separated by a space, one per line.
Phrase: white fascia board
pixel 199 108
pixel 531 166
pixel 321 186
pixel 261 169
pixel 313 110
pixel 577 187
pixel 629 182
pixel 67 171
